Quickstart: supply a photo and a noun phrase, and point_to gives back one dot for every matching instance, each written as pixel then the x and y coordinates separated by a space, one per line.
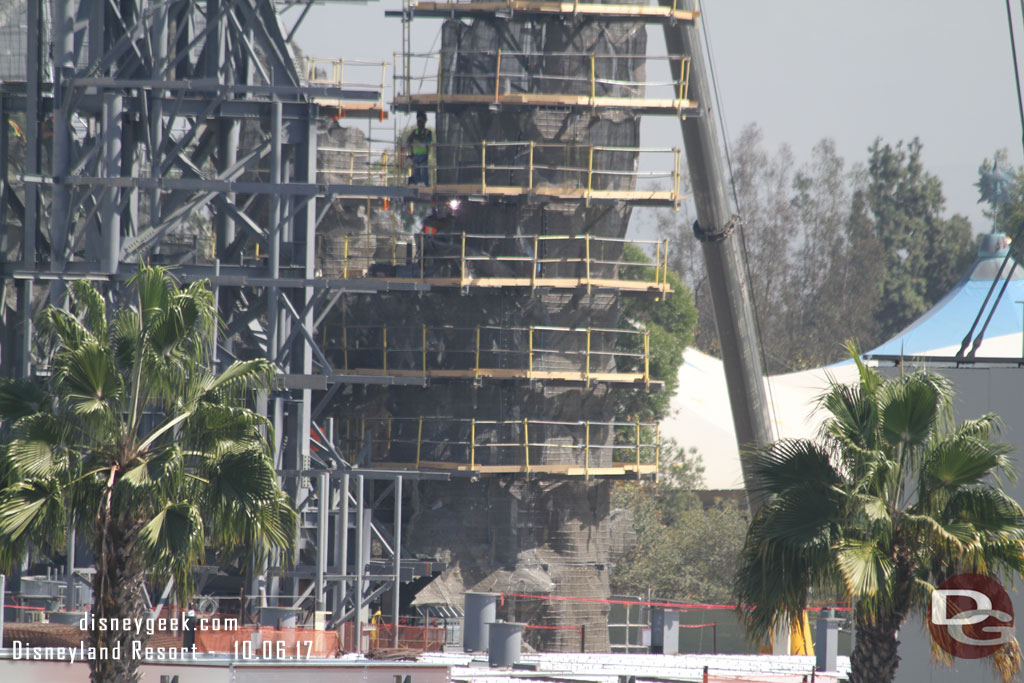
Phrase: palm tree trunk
pixel 875 655
pixel 117 594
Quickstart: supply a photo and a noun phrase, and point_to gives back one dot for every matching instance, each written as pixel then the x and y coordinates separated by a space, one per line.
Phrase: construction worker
pixel 419 143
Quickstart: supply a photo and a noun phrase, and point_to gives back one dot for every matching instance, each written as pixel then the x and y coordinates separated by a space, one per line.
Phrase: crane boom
pixel 723 257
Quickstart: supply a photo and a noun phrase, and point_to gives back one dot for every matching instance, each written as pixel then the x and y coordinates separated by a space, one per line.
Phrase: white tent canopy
pixel 701 417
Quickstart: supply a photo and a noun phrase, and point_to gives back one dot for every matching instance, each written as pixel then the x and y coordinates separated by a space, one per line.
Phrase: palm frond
pixel 791 462
pixel 909 411
pixel 93 310
pixel 31 508
pixel 20 398
pixel 864 568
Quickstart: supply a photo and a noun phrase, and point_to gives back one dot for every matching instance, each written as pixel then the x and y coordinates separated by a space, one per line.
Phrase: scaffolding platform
pixel 469 445
pixel 507 9
pixel 499 79
pixel 639 105
pixel 553 193
pixel 554 172
pixel 331 73
pixel 622 470
pixel 537 353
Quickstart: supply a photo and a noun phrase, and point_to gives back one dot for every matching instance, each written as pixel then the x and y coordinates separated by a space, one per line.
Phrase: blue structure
pixel 949 320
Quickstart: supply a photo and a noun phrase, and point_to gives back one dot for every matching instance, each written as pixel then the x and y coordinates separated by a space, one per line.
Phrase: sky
pixel 804 70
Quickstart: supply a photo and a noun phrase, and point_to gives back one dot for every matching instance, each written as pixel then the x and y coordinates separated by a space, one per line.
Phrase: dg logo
pixel 971 616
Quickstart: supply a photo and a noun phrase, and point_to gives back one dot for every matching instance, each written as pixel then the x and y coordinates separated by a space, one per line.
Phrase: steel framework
pixel 184 132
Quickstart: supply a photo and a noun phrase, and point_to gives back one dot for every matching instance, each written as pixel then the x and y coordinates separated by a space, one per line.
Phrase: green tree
pixel 681 547
pixel 137 445
pixel 923 254
pixel 812 266
pixel 669 322
pixel 893 499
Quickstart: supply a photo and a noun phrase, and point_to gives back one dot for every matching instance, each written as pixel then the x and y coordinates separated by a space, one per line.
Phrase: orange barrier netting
pixel 678 605
pixel 269 643
pixel 424 638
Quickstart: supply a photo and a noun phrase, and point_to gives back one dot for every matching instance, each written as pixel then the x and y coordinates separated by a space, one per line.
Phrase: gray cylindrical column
pixel 826 646
pixel 481 609
pixel 506 643
pixel 279 617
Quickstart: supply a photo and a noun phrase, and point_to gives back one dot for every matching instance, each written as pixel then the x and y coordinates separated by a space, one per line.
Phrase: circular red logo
pixel 970 616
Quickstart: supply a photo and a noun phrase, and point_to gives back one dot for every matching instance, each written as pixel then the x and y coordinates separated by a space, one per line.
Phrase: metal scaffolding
pixel 185 134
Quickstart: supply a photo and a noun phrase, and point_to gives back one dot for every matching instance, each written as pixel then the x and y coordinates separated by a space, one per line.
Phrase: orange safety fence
pixel 424 638
pixel 266 642
pixel 682 606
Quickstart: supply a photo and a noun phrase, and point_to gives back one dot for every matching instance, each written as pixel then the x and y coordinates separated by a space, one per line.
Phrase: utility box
pixel 664 632
pixel 826 646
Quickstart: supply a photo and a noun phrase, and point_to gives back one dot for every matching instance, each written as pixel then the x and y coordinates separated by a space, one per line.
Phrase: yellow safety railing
pixel 424 76
pixel 359 166
pixel 580 171
pixel 536 352
pixel 531 445
pixel 519 5
pixel 355 74
pixel 501 260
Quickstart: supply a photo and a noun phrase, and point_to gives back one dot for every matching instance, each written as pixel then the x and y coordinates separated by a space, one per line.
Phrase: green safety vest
pixel 419 142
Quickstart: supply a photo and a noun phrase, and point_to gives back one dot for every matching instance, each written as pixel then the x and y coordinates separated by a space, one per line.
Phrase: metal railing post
pixel 483 166
pixel 472 443
pixel 638 447
pixel 657 262
pixel 476 355
pixel 647 358
pixel 586 451
pixel 344 345
pixel 526 442
pixel 345 261
pixel 423 343
pixel 590 174
pixel 593 82
pixel 423 253
pixel 529 373
pixel 419 442
pixel 533 263
pixel 657 448
pixel 462 267
pixel 529 185
pixel 384 340
pixel 497 77
pixel 664 277
pixel 587 250
pixel 586 372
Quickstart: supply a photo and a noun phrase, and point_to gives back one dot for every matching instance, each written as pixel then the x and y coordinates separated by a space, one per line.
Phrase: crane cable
pixel 736 202
pixel 1020 230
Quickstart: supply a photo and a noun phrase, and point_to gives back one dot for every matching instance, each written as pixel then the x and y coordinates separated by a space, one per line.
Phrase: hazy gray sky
pixel 804 70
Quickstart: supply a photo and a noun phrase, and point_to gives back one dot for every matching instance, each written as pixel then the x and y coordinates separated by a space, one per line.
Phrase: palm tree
pixel 132 441
pixel 890 501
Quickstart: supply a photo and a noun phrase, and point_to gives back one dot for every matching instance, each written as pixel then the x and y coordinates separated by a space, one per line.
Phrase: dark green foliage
pixel 833 251
pixel 923 254
pixel 670 323
pixel 135 442
pixel 681 548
